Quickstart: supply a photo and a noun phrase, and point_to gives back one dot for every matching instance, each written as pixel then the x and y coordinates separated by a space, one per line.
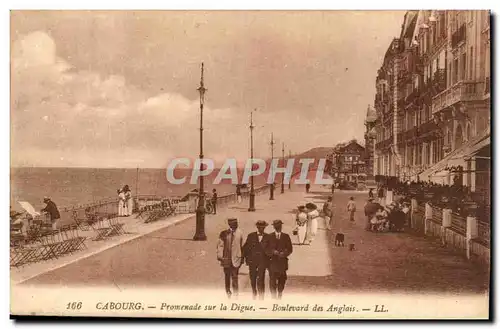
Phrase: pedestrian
pixel 333 188
pixel 380 195
pixel 328 212
pixel 308 187
pixel 214 200
pixel 129 202
pixel 238 193
pixel 301 220
pixel 51 209
pixel 278 247
pixel 370 211
pixel 370 193
pixel 351 208
pixel 230 255
pixel 256 259
pixel 121 202
pixel 312 221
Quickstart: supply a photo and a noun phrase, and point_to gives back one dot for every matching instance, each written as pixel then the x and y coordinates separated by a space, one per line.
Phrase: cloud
pixel 62 116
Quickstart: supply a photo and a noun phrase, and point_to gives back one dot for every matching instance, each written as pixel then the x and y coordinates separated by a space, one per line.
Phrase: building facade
pixel 370 135
pixel 348 163
pixel 433 99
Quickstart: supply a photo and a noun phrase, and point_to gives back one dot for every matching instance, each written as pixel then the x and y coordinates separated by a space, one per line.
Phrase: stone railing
pixel 466 235
pixel 461 91
pixel 483 233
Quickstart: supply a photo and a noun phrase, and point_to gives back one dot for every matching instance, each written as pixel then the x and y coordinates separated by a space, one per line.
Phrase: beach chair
pixel 81 222
pixel 79 240
pixel 67 243
pixel 20 255
pixel 116 227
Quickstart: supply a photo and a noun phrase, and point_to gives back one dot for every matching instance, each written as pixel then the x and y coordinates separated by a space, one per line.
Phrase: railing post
pixel 389 197
pixel 471 233
pixel 446 224
pixel 414 206
pixel 428 216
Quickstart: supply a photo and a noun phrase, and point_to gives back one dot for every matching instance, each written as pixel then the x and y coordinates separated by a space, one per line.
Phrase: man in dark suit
pixel 278 247
pixel 52 210
pixel 256 258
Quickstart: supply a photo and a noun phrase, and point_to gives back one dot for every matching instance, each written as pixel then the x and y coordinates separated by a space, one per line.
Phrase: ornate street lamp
pixel 283 176
pixel 252 191
pixel 290 181
pixel 200 210
pixel 271 187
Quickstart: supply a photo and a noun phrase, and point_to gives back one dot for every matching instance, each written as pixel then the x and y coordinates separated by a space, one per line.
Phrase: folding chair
pixel 101 230
pixel 116 228
pixel 82 223
pixel 79 240
pixel 20 255
pixel 49 247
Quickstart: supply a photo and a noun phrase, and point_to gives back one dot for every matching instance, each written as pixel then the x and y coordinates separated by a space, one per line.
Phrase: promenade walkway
pixel 381 262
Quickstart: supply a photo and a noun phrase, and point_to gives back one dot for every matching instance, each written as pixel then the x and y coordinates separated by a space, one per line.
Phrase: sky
pixel 119 88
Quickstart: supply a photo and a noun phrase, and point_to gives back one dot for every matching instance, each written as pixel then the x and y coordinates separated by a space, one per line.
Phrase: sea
pixel 69 187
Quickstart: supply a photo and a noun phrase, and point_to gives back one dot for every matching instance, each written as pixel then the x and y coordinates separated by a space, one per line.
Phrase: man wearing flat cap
pixel 230 255
pixel 256 259
pixel 52 210
pixel 278 247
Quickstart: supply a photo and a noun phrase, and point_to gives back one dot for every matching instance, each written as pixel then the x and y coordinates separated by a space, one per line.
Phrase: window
pixel 464 66
pixel 455 71
pixel 471 63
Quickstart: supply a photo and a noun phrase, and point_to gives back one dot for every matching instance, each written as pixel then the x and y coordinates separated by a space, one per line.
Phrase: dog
pixel 339 239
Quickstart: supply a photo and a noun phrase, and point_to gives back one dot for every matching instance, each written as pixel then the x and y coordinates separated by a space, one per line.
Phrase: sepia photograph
pixel 250 164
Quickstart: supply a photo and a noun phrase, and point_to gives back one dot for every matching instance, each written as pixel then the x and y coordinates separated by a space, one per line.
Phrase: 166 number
pixel 74 306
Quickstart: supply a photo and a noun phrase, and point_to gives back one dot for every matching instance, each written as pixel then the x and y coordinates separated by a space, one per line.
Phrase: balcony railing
pixel 413 95
pixel 460 92
pixel 458 36
pixel 487 85
pixel 384 144
pixel 427 127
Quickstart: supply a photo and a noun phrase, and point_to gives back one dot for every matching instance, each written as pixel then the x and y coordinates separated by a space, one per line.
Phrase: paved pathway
pixel 382 262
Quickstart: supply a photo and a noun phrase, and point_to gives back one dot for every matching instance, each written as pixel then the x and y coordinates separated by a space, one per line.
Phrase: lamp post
pixel 290 182
pixel 271 190
pixel 200 210
pixel 283 176
pixel 251 206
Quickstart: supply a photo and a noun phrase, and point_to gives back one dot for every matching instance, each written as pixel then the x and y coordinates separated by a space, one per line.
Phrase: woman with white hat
pixel 312 216
pixel 301 220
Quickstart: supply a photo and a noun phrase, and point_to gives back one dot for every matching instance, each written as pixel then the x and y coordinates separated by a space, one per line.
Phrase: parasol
pixel 29 208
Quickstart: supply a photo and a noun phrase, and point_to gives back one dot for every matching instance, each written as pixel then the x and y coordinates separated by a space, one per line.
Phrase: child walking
pixel 351 208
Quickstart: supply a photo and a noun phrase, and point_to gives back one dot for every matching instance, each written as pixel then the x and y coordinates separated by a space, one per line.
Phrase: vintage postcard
pixel 250 164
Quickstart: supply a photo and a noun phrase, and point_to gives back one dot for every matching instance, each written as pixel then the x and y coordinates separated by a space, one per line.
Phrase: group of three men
pixel 261 252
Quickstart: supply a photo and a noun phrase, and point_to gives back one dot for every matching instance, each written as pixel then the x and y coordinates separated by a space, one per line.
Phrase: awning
pixel 456 157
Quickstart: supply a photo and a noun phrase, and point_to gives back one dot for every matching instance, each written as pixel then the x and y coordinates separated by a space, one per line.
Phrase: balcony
pixel 487 86
pixel 427 128
pixel 462 91
pixel 384 144
pixel 439 81
pixel 459 36
pixel 411 97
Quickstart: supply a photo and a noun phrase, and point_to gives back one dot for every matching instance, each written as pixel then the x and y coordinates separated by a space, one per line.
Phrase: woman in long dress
pixel 121 203
pixel 312 216
pixel 129 202
pixel 301 220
